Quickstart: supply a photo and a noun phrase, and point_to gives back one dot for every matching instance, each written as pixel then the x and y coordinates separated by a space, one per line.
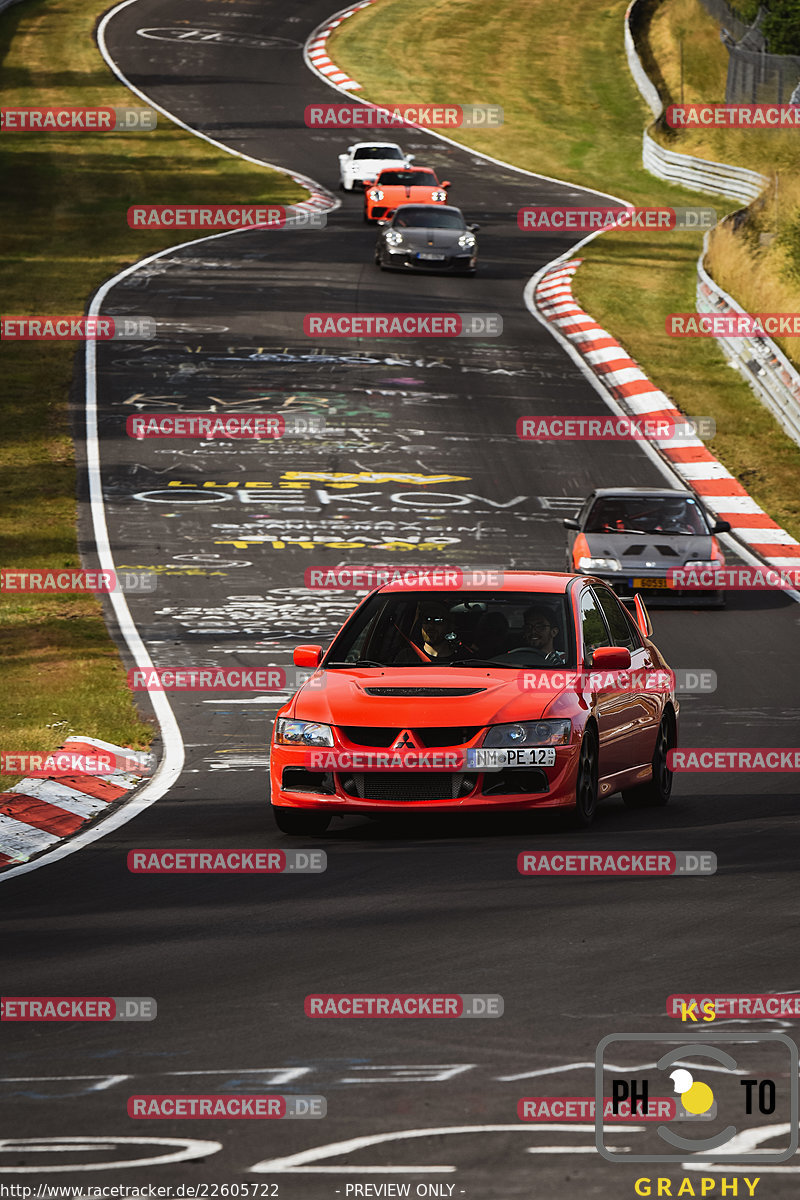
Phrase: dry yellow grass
pixel 758 263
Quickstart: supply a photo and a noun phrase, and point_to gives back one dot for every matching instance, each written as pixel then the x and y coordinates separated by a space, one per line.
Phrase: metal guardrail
pixel 701 174
pixel 697 174
pixel 765 367
pixel 647 89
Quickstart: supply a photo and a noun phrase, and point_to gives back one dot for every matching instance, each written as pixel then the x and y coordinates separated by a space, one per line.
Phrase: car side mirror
pixel 307 656
pixel 721 527
pixel 383 221
pixel 350 149
pixel 473 228
pixel 571 523
pixel 445 183
pixel 369 182
pixel 611 658
pixel 411 157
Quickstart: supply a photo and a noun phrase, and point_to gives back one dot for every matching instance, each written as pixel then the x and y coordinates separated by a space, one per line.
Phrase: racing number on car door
pixel 615 708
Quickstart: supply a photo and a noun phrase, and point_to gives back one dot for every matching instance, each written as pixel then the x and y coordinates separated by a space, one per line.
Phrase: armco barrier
pixel 768 371
pixel 701 174
pixel 696 174
pixel 765 367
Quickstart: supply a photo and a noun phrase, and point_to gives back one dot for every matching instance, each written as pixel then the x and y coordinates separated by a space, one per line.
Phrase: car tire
pixel 300 821
pixel 586 781
pixel 656 792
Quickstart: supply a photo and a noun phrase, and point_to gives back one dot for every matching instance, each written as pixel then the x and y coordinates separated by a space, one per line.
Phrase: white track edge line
pixel 171 764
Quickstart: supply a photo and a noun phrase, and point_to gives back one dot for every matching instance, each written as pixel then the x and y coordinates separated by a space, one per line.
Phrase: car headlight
pixel 376 194
pixel 466 241
pixel 599 564
pixel 714 563
pixel 438 195
pixel 529 733
pixel 393 238
pixel 302 733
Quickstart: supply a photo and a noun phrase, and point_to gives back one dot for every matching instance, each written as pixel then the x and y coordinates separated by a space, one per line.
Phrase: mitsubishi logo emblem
pixel 404 741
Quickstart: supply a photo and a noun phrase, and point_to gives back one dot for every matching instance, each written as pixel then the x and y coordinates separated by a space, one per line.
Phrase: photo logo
pixel 742 758
pixel 403 116
pixel 545 219
pixel 227 679
pixel 614 429
pixel 367 578
pixel 222 216
pixel 717 1089
pixel 734 579
pixel 582 1108
pixel 227 862
pixel 225 426
pixel 78 120
pixel 617 862
pixel 78 1008
pixel 733 116
pixel 102 582
pixel 77 329
pixel 404 1005
pixel 225 1107
pixel 357 325
pixel 67 763
pixel 764 1006
pixel 733 324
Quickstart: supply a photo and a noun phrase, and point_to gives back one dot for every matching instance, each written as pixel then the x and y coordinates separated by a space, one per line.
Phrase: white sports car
pixel 366 160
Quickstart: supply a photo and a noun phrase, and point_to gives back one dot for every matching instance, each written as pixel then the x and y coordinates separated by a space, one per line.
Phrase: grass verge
pixel 572 111
pixel 63 215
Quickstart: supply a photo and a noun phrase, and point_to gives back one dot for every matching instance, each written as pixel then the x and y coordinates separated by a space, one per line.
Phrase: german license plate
pixel 431 257
pixel 494 760
pixel 649 583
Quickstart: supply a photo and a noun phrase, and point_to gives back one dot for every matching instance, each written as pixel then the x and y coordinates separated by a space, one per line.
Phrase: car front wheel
pixel 587 782
pixel 300 821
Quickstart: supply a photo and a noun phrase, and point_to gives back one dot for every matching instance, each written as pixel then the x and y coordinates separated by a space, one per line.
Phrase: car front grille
pixel 445 735
pixel 408 787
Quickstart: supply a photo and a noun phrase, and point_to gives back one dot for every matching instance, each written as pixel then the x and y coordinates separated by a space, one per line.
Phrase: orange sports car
pixel 541 692
pixel 408 185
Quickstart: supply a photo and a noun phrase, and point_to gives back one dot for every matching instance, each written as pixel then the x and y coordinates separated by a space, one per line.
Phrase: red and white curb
pixel 37 814
pixel 630 387
pixel 316 50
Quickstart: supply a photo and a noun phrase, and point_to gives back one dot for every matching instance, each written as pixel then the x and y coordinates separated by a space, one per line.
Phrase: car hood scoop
pixel 423 691
pixel 660 549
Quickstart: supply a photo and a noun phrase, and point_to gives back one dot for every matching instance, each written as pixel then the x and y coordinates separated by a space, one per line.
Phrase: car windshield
pixel 382 152
pixel 407 179
pixel 646 514
pixel 408 217
pixel 509 630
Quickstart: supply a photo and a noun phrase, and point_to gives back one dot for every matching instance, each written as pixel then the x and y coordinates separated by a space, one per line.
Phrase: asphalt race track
pixel 417 906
